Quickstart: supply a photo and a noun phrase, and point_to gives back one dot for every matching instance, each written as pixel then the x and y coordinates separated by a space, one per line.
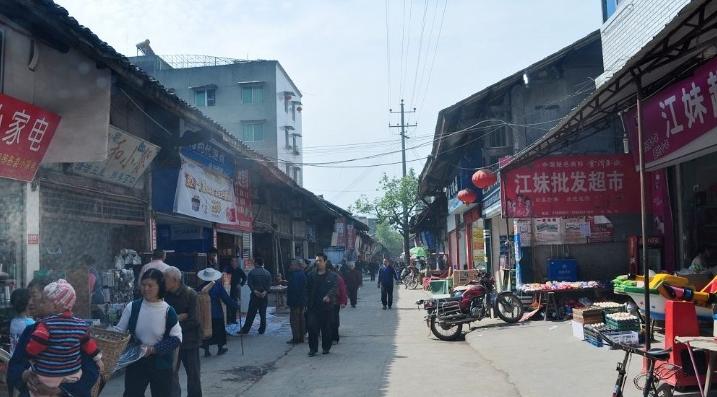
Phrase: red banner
pixel 678 116
pixel 569 186
pixel 25 134
pixel 242 214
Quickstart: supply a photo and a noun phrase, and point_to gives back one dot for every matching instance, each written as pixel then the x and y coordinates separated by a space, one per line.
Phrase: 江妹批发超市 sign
pixel 204 194
pixel 567 186
pixel 676 120
pixel 25 134
pixel 128 158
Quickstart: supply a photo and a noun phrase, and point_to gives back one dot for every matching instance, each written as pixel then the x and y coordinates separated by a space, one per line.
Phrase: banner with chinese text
pixel 128 158
pixel 204 194
pixel 570 186
pixel 676 117
pixel 25 134
pixel 244 215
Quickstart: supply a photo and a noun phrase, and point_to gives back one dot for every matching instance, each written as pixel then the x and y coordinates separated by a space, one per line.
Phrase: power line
pixel 435 53
pixel 388 55
pixel 420 48
pixel 408 45
pixel 403 41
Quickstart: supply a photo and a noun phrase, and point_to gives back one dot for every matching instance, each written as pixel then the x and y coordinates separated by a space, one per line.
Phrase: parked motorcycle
pixel 477 300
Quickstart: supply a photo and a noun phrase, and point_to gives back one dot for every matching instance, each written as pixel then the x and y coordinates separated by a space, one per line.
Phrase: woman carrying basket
pixel 153 323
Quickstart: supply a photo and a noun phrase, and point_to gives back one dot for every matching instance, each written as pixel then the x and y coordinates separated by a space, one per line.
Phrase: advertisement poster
pixel 577 230
pixel 524 227
pixel 244 215
pixel 601 230
pixel 478 246
pixel 25 134
pixel 547 231
pixel 205 195
pixel 128 157
pixel 576 185
pixel 340 233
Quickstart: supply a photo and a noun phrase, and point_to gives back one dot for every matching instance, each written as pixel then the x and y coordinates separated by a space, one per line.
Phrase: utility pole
pixel 404 221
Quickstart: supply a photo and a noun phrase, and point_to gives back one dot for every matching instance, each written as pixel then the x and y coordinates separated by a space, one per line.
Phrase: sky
pixel 353 60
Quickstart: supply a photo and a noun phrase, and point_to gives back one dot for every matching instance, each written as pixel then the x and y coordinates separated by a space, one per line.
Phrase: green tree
pixel 389 238
pixel 398 194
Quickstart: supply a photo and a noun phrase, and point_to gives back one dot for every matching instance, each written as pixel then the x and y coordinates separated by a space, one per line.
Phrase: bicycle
pixel 653 385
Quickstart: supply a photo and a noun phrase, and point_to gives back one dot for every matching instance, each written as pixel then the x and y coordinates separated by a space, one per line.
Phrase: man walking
pixel 354 280
pixel 238 279
pixel 386 277
pixel 184 301
pixel 259 281
pixel 296 300
pixel 321 296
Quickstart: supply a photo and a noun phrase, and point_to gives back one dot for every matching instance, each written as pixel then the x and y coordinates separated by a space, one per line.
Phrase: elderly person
pixel 19 376
pixel 217 295
pixel 152 322
pixel 238 279
pixel 184 302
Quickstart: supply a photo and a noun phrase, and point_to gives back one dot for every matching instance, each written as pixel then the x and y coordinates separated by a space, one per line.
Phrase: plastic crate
pixel 630 338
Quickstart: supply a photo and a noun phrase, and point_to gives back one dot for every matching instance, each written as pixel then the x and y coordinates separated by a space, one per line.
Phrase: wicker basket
pixel 111 344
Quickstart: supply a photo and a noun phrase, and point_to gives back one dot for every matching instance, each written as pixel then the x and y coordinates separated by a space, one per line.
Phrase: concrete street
pixel 391 353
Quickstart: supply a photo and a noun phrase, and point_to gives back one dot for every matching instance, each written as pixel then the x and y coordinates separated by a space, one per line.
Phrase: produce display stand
pixel 552 301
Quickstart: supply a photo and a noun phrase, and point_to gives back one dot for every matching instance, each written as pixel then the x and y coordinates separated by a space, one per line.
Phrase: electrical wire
pixel 408 45
pixel 403 42
pixel 435 54
pixel 420 48
pixel 388 56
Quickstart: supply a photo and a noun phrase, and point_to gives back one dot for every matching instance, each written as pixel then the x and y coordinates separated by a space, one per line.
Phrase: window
pixel 498 138
pixel 609 7
pixel 288 169
pixel 294 146
pixel 293 111
pixel 252 95
pixel 203 98
pixel 286 138
pixel 252 132
pixel 297 174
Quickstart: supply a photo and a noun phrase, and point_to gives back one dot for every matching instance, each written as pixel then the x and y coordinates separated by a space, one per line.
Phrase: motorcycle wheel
pixel 448 334
pixel 412 283
pixel 508 307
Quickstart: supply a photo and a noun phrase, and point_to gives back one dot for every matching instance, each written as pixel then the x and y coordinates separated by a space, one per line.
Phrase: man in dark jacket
pixel 386 277
pixel 238 279
pixel 296 300
pixel 184 301
pixel 259 281
pixel 321 288
pixel 353 279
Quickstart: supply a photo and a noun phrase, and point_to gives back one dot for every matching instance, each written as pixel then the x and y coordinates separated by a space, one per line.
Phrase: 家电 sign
pixel 204 194
pixel 676 121
pixel 128 158
pixel 568 186
pixel 25 134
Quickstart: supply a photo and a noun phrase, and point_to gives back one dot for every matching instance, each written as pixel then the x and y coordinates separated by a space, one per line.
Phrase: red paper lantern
pixel 299 108
pixel 483 179
pixel 467 196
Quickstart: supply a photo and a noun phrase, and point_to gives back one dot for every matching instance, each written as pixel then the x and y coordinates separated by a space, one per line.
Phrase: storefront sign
pixel 211 155
pixel 128 158
pixel 186 232
pixel 25 134
pixel 478 246
pixel 204 194
pixel 244 215
pixel 571 186
pixel 677 116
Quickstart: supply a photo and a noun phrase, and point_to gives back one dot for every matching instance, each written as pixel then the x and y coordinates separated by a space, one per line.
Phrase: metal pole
pixel 643 218
pixel 403 143
pixel 406 247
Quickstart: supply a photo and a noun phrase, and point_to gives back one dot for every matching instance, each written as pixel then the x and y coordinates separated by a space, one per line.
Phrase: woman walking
pixel 153 323
pixel 217 294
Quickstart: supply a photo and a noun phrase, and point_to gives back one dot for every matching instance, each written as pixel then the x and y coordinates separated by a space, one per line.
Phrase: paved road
pixel 382 353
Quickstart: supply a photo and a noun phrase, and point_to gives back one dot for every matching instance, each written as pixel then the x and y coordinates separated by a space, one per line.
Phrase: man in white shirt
pixel 158 257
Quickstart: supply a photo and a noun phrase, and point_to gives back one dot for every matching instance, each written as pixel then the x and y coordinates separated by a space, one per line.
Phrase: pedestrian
pixel 341 302
pixel 157 262
pixel 259 280
pixel 19 300
pixel 296 300
pixel 213 258
pixel 386 278
pixel 184 302
pixel 373 268
pixel 154 324
pixel 58 340
pixel 321 289
pixel 217 295
pixel 238 279
pixel 354 280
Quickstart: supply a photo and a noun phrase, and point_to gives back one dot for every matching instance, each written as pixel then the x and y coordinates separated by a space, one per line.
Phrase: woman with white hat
pixel 218 295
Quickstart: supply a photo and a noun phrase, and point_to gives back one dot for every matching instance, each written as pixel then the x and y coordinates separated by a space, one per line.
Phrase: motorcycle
pixel 474 302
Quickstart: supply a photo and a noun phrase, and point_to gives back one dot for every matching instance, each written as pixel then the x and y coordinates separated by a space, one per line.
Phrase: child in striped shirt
pixel 59 339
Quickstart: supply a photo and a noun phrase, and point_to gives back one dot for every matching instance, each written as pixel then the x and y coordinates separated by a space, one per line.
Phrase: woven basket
pixel 111 344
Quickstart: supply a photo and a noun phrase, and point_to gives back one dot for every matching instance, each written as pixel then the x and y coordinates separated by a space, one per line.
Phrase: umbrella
pixel 419 252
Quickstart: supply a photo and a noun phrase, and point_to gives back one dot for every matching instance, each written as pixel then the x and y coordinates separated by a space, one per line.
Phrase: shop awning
pixel 672 54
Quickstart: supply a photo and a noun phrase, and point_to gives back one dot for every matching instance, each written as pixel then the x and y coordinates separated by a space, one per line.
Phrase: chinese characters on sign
pixel 677 115
pixel 571 186
pixel 25 134
pixel 204 195
pixel 128 158
pixel 242 192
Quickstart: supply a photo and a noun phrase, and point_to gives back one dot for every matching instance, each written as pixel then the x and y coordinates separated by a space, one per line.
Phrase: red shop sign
pixel 678 115
pixel 25 134
pixel 242 214
pixel 568 186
